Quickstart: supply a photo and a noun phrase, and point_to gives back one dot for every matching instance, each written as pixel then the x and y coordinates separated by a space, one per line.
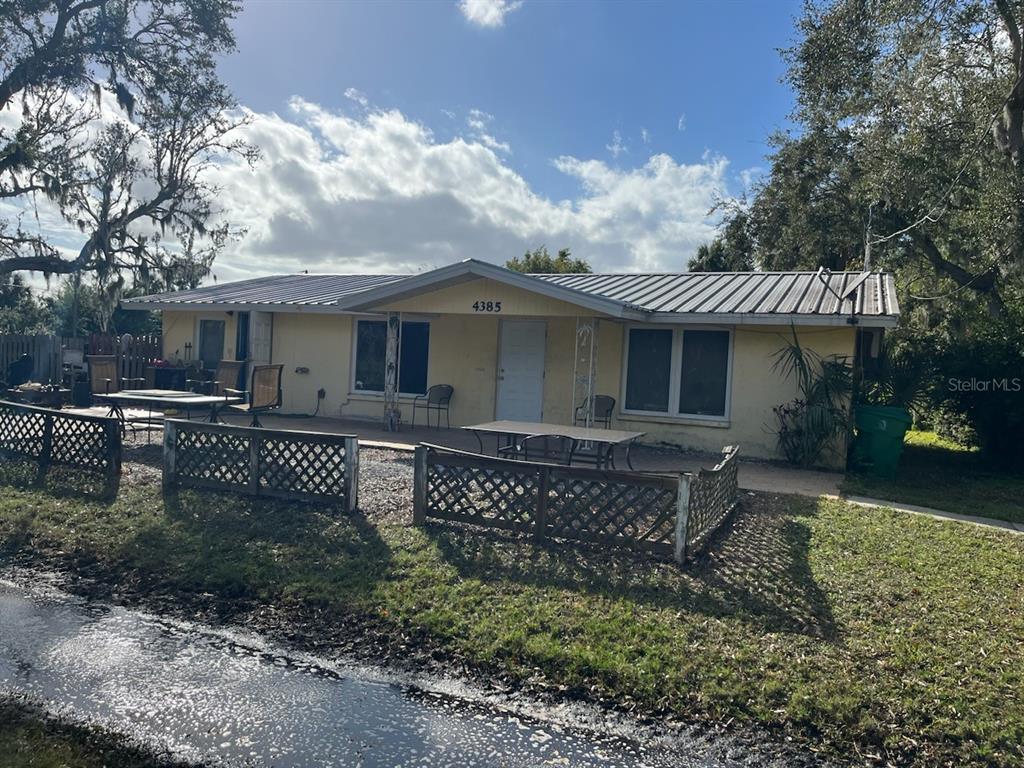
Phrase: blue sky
pixel 398 137
pixel 559 78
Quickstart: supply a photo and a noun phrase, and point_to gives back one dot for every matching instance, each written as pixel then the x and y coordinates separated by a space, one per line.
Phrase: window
pixel 677 371
pixel 371 349
pixel 704 373
pixel 649 369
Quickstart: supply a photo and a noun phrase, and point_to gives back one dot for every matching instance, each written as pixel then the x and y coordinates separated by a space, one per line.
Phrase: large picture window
pixel 413 352
pixel 678 372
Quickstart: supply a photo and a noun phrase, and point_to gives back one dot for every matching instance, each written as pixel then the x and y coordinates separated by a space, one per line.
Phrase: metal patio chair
pixel 263 395
pixel 225 377
pixel 438 398
pixel 604 405
pixel 104 378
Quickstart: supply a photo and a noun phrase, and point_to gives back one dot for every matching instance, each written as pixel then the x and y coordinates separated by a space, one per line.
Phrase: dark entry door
pixel 211 342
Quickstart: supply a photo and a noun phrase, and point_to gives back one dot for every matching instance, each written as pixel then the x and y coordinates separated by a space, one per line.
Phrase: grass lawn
pixel 868 633
pixel 30 739
pixel 937 473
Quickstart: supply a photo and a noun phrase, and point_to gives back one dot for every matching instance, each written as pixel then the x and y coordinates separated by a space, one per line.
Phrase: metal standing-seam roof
pixel 723 297
pixel 758 293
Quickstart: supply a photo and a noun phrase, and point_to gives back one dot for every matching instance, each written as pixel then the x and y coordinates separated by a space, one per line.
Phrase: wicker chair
pixel 438 398
pixel 225 377
pixel 604 405
pixel 264 392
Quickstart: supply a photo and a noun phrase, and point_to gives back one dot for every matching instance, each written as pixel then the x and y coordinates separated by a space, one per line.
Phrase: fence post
pixel 170 453
pixel 255 443
pixel 112 432
pixel 419 487
pixel 682 517
pixel 351 474
pixel 46 452
pixel 540 521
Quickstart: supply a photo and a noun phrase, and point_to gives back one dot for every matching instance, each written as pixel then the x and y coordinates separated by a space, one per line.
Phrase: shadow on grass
pixel 64 482
pixel 756 569
pixel 238 546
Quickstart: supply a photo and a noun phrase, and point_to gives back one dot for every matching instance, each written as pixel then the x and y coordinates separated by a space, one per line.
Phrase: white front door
pixel 521 370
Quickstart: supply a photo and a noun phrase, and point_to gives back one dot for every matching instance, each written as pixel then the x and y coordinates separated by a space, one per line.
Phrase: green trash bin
pixel 880 437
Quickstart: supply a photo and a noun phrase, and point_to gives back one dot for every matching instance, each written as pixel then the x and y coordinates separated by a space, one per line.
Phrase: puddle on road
pixel 226 699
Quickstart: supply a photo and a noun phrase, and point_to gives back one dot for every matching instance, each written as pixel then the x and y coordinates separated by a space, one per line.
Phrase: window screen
pixel 371 341
pixel 371 350
pixel 703 373
pixel 415 348
pixel 648 369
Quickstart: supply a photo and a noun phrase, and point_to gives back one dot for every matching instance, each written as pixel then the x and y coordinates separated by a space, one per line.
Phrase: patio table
pixel 166 398
pixel 605 439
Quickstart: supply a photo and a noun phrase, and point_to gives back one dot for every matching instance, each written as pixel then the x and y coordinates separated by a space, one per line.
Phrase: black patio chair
pixel 603 407
pixel 225 377
pixel 438 398
pixel 264 393
pixel 557 449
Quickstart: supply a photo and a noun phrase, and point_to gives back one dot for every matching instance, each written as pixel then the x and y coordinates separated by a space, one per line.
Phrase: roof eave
pixel 749 318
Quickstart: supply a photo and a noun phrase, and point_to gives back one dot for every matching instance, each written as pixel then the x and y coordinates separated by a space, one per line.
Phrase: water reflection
pixel 205 696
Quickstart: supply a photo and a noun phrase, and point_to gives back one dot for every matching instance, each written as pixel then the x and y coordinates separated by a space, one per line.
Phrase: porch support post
pixel 392 415
pixel 584 375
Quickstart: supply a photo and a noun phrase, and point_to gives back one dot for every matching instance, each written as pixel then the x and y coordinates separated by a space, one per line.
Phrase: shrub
pixel 818 420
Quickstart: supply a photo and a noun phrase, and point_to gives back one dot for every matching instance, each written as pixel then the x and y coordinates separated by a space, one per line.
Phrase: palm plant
pixel 819 417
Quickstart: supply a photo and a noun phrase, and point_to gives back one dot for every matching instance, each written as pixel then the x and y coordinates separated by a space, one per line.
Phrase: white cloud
pixel 616 147
pixel 488 13
pixel 379 192
pixel 681 123
pixel 645 136
pixel 479 124
pixel 354 94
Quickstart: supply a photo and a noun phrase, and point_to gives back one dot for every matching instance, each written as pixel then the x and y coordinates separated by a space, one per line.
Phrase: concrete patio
pixel 753 475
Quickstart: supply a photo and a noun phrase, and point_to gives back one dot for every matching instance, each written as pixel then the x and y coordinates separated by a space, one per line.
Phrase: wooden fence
pixel 650 512
pixel 135 353
pixel 53 438
pixel 46 352
pixel 262 462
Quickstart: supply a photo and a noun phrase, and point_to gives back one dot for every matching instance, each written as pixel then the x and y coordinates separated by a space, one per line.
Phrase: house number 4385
pixel 487 306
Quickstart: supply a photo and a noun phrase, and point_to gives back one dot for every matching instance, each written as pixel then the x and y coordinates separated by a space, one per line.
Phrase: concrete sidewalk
pixel 938 514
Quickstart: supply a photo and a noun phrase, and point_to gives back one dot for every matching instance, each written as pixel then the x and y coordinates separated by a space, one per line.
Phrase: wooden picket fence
pixel 671 515
pixel 135 353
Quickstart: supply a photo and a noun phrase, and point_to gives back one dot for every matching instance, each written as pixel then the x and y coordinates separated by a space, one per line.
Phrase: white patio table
pixel 604 439
pixel 162 399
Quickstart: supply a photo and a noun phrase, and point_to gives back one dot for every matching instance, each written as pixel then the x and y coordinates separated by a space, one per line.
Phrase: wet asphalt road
pixel 224 699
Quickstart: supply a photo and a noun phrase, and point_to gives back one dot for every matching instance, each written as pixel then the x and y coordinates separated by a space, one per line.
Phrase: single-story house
pixel 687 356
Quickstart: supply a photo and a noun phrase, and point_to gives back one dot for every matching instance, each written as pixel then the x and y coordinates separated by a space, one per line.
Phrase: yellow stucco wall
pixel 459 299
pixel 464 353
pixel 180 328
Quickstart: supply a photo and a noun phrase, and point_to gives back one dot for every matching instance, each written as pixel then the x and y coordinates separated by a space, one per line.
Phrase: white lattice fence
pixel 666 514
pixel 290 464
pixel 712 496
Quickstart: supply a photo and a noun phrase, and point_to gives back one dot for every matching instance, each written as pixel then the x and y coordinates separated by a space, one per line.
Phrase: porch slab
pixel 753 475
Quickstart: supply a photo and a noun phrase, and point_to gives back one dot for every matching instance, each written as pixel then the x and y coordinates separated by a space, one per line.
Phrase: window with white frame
pixel 677 371
pixel 413 352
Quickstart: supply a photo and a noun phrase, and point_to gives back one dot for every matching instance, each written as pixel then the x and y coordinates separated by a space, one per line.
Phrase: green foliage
pixel 540 262
pixel 818 420
pixel 20 311
pixel 905 378
pixel 731 251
